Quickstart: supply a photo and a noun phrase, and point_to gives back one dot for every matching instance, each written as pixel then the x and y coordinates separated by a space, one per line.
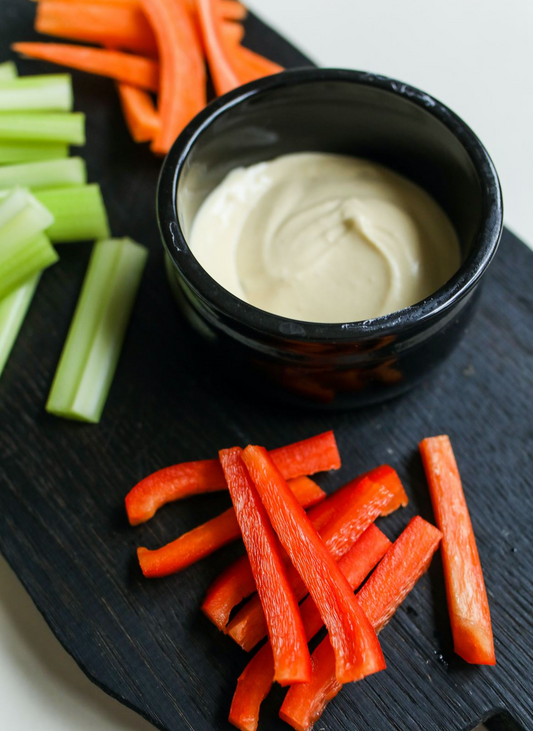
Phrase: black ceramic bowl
pixel 346 112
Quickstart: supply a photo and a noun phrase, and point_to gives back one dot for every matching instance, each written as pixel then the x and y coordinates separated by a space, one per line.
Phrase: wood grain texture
pixel 62 522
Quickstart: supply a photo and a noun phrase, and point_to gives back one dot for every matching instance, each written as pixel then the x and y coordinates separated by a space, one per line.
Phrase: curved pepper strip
pixel 468 604
pixel 403 564
pixel 210 536
pixel 255 682
pixel 367 501
pixel 237 583
pixel 357 649
pixel 291 657
pixel 316 454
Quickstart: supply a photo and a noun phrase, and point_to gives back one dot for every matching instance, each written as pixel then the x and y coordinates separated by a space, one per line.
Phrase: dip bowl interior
pixel 350 113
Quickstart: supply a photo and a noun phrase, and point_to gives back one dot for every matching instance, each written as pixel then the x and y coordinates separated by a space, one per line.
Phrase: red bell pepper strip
pixel 383 475
pixel 368 499
pixel 292 661
pixel 356 646
pixel 403 564
pixel 468 604
pixel 210 536
pixel 237 582
pixel 255 682
pixel 316 454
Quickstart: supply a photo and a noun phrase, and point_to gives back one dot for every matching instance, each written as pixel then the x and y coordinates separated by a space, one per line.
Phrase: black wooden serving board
pixel 62 484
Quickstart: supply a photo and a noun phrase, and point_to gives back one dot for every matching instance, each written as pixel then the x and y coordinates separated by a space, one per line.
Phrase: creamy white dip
pixel 324 238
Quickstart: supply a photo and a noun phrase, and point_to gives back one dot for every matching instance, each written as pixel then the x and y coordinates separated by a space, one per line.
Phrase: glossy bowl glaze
pixel 345 112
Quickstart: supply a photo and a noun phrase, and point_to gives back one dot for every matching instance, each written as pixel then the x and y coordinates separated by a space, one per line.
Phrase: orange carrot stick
pixel 229 9
pixel 225 77
pixel 232 10
pixel 256 64
pixel 117 26
pixel 125 67
pixel 182 88
pixel 467 597
pixel 139 112
pixel 232 32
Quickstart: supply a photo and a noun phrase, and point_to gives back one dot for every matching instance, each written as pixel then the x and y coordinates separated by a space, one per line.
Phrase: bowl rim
pixel 211 292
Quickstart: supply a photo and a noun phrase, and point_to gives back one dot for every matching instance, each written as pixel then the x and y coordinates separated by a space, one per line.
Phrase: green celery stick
pixel 79 213
pixel 46 93
pixel 24 248
pixel 13 310
pixel 67 127
pixel 8 71
pixel 44 174
pixel 15 152
pixel 94 341
pixel 11 203
pixel 39 254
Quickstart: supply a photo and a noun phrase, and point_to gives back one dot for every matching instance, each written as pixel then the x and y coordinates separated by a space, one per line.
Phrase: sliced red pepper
pixel 468 604
pixel 316 454
pixel 236 582
pixel 255 682
pixel 292 661
pixel 367 501
pixel 403 564
pixel 357 649
pixel 210 536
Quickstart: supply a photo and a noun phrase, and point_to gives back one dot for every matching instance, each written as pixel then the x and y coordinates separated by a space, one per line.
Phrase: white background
pixel 475 56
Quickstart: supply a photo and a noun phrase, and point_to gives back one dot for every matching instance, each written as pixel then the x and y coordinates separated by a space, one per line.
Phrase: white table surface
pixel 474 55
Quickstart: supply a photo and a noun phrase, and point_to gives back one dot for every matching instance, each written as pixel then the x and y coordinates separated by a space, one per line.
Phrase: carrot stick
pixel 232 32
pixel 125 67
pixel 228 9
pixel 225 77
pixel 182 91
pixel 465 588
pixel 210 536
pixel 139 112
pixel 357 649
pixel 237 583
pixel 291 659
pixel 232 10
pixel 255 682
pixel 397 573
pixel 109 25
pixel 251 64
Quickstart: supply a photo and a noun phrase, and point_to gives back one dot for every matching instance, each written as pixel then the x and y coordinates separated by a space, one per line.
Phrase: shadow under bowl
pixel 354 113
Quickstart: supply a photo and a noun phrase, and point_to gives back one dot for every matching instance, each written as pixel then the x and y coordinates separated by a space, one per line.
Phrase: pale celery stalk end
pixel 66 127
pixel 79 213
pixel 44 93
pixel 15 152
pixel 92 349
pixel 24 248
pixel 13 309
pixel 8 71
pixel 45 173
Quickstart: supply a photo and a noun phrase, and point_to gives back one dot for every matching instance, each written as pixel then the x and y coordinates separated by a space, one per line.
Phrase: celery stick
pixel 48 92
pixel 8 71
pixel 13 152
pixel 24 248
pixel 44 174
pixel 11 203
pixel 38 254
pixel 13 310
pixel 67 127
pixel 79 213
pixel 94 341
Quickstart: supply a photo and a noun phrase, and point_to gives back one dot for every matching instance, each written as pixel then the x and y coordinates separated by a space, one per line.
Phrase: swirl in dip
pixel 324 238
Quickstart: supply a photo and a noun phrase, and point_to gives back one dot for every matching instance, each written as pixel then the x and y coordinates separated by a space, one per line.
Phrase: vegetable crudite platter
pixel 63 524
